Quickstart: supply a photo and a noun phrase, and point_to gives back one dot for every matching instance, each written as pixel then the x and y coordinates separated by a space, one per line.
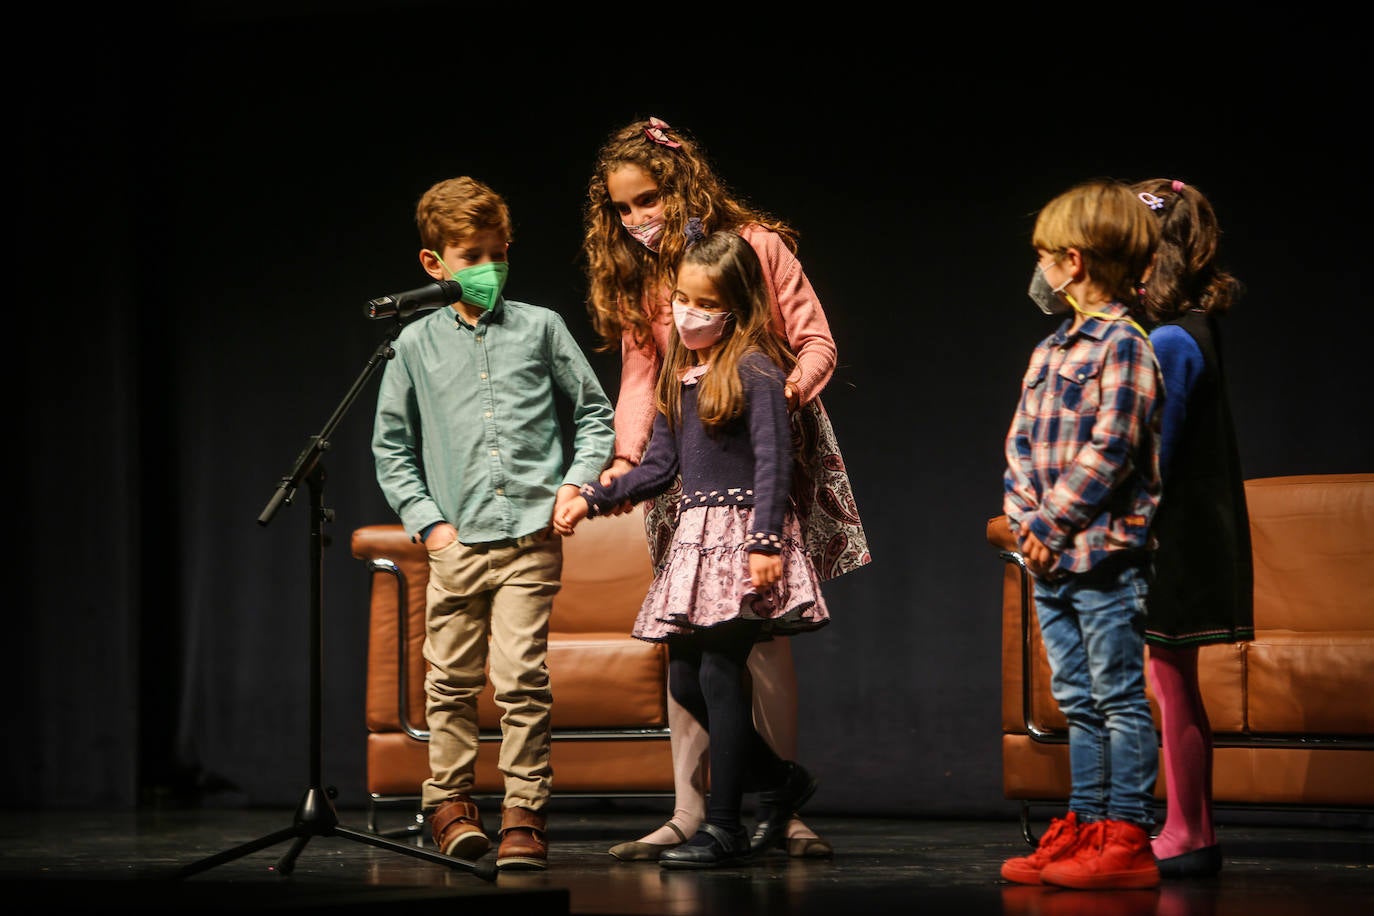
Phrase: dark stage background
pixel 207 204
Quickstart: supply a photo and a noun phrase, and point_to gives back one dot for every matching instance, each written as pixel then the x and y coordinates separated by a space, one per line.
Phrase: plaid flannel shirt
pixel 1083 448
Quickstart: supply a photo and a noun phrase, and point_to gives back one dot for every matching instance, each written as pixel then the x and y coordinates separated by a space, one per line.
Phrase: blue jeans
pixel 1093 625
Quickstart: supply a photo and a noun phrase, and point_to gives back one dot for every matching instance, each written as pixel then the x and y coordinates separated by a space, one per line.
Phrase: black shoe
pixel 777 806
pixel 1200 863
pixel 712 847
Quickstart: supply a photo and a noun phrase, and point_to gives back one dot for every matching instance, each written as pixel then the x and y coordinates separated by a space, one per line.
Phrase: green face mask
pixel 482 283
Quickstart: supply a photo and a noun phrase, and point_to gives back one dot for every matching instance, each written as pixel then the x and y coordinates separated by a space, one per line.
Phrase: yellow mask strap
pixel 1105 317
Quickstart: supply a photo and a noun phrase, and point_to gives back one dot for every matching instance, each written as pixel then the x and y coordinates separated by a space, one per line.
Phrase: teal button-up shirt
pixel 467 429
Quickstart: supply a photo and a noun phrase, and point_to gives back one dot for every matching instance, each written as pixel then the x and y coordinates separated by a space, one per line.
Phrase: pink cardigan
pixel 797 317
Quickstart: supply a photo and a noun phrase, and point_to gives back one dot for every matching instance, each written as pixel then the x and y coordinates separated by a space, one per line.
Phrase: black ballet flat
pixel 778 806
pixel 718 848
pixel 1200 863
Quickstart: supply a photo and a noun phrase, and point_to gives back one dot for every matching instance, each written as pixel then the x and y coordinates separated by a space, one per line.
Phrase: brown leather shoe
pixel 457 828
pixel 523 842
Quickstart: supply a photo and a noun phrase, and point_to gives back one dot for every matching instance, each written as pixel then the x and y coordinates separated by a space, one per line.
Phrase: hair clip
pixel 694 231
pixel 655 132
pixel 1154 203
pixel 1177 186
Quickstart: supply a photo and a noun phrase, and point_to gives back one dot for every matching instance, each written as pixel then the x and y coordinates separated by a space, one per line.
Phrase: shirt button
pixel 484 375
pixel 478 338
pixel 500 491
pixel 487 415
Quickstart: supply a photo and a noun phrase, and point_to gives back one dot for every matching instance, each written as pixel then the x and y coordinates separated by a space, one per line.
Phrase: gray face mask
pixel 1046 296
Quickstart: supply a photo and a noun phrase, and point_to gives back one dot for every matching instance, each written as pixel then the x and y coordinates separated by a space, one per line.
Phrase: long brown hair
pixel 621 273
pixel 1186 274
pixel 737 274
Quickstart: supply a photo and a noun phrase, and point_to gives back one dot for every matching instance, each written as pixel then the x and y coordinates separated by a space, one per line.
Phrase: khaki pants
pixel 490 601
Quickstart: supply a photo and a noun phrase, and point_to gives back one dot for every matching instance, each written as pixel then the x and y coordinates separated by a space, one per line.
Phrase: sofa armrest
pixel 999 533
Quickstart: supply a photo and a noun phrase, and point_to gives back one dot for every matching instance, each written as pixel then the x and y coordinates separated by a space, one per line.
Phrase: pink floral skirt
pixel 704 580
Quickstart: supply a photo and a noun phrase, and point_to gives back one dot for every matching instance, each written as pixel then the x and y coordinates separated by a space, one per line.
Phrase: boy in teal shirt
pixel 469 453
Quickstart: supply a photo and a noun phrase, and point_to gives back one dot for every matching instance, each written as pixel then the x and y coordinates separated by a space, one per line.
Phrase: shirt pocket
pixel 1080 386
pixel 1033 389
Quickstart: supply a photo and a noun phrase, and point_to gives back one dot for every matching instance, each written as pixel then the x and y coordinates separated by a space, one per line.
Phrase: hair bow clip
pixel 1154 203
pixel 656 132
pixel 1177 185
pixel 694 231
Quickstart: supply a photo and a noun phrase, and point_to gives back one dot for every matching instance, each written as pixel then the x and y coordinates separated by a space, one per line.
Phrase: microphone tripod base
pixel 315 816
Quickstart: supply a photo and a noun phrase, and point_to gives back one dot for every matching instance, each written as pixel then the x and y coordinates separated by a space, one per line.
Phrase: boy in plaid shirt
pixel 1080 492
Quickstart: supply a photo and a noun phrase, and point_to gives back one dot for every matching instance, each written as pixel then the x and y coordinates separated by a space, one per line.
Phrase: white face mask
pixel 699 329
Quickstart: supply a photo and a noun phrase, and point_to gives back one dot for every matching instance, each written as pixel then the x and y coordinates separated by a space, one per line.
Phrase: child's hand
pixel 619 467
pixel 1039 558
pixel 441 535
pixel 764 569
pixel 569 512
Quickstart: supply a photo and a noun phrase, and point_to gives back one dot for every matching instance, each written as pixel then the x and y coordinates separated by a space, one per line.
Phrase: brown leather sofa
pixel 1291 710
pixel 610 717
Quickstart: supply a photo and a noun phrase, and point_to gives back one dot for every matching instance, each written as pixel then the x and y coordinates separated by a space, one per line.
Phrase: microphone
pixel 435 295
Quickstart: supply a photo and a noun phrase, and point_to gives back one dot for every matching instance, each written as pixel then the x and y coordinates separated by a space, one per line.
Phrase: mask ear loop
pixel 443 264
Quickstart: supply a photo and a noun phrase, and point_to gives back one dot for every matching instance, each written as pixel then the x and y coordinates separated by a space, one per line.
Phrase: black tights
pixel 707 676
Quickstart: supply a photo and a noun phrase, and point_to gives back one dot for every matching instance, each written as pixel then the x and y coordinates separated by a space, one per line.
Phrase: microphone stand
pixel 315 815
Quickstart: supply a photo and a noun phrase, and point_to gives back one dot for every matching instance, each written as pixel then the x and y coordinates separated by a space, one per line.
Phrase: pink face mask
pixel 699 329
pixel 647 234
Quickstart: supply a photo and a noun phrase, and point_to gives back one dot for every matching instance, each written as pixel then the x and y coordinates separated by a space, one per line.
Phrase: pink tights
pixel 1187 744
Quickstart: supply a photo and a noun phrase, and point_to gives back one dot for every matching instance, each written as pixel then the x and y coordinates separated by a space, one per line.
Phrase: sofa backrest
pixel 1313 544
pixel 606 573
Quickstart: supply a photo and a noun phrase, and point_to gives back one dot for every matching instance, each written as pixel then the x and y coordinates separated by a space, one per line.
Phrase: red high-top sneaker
pixel 1109 854
pixel 1057 842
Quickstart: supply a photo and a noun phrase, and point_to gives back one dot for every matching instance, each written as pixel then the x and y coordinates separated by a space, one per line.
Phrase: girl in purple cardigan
pixel 736 571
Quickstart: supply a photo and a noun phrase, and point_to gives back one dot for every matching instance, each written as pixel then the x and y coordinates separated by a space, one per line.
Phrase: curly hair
pixel 623 277
pixel 1186 274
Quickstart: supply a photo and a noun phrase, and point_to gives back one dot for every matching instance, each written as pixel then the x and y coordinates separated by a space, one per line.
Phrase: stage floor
pixel 190 861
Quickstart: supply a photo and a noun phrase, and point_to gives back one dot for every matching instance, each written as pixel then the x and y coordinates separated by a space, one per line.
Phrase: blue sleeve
pixel 1181 363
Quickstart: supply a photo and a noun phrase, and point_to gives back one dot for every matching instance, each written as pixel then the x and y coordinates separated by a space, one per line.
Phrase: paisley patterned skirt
pixel 704 580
